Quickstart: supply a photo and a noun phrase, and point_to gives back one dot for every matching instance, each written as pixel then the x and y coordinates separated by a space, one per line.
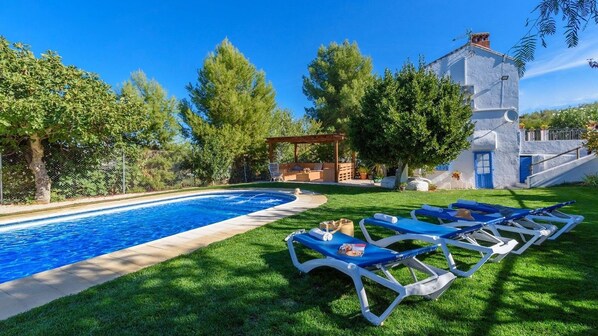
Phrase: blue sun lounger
pixel 374 259
pixel 546 216
pixel 469 236
pixel 530 233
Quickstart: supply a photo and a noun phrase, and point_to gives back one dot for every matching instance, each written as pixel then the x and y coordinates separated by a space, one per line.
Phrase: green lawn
pixel 248 285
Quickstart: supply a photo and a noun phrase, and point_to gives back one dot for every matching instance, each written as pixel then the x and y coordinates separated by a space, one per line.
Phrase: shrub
pixel 591 180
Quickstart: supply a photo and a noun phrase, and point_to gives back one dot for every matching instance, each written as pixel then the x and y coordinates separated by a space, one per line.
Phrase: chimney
pixel 481 39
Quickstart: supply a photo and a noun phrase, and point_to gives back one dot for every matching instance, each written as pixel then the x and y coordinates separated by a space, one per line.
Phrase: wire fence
pixel 74 175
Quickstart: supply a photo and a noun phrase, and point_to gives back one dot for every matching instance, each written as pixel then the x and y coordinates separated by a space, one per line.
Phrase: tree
pixel 538 119
pixel 44 102
pixel 217 147
pixel 575 117
pixel 157 126
pixel 576 15
pixel 591 136
pixel 283 124
pixel 411 118
pixel 338 78
pixel 231 104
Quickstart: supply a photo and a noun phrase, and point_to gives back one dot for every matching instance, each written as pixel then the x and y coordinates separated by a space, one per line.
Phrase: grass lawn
pixel 248 285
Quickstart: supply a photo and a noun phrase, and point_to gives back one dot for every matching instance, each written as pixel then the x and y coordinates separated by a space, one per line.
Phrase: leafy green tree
pixel 591 136
pixel 571 117
pixel 576 16
pixel 411 118
pixel 157 126
pixel 338 78
pixel 44 102
pixel 230 99
pixel 575 117
pixel 217 149
pixel 537 120
pixel 283 124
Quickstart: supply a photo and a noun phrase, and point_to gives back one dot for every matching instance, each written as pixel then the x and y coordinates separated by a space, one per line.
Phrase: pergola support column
pixel 308 139
pixel 296 160
pixel 271 152
pixel 336 161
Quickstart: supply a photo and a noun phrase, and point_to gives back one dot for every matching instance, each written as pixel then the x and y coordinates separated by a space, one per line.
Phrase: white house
pixel 492 81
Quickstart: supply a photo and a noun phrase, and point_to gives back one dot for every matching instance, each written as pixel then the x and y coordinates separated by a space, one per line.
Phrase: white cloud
pixel 563 59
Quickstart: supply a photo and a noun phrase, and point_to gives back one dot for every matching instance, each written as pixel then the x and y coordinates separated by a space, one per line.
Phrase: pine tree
pixel 230 99
pixel 338 78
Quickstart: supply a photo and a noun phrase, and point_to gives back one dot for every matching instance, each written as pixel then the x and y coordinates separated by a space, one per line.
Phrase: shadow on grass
pixel 248 285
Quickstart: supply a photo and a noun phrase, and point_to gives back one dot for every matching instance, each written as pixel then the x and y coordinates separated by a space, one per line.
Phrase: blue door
pixel 483 170
pixel 525 163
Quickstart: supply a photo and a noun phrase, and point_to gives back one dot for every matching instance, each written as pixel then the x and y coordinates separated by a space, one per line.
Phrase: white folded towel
pixel 431 208
pixel 462 201
pixel 386 218
pixel 320 234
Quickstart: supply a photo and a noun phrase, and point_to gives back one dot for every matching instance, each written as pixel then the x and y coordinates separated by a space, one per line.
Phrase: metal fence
pixel 73 175
pixel 553 134
pixel 565 134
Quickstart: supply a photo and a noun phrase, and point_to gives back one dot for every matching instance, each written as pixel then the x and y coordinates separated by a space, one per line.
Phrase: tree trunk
pixel 399 174
pixel 38 168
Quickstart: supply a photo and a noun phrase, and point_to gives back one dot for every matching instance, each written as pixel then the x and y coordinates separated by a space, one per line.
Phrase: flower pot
pixel 363 176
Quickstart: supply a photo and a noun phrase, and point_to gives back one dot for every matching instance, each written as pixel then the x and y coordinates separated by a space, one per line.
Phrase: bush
pixel 591 180
pixel 591 137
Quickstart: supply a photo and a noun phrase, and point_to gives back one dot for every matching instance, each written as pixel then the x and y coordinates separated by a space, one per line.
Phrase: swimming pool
pixel 33 246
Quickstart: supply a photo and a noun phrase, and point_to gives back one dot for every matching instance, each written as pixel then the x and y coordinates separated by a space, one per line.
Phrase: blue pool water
pixel 30 247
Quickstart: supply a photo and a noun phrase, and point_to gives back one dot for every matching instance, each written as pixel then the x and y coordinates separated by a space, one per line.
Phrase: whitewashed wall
pixel 477 66
pixel 550 147
pixel 543 150
pixel 574 171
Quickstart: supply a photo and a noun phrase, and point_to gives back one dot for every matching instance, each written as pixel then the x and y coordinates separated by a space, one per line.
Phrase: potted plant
pixel 456 175
pixel 402 186
pixel 363 172
pixel 379 172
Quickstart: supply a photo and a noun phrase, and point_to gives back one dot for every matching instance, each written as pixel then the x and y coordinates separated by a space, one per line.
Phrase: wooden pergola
pixel 308 139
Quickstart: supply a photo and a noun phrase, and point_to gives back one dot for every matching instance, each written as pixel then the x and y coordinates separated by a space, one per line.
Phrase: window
pixel 468 92
pixel 443 167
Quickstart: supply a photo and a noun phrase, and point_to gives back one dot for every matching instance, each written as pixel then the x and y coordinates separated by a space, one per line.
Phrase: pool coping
pixel 21 295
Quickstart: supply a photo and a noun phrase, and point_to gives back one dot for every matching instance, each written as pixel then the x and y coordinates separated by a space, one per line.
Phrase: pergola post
pixel 336 161
pixel 296 160
pixel 335 138
pixel 271 152
pixel 353 162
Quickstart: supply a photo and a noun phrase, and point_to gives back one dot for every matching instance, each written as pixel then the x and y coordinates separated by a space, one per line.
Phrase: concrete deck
pixel 20 295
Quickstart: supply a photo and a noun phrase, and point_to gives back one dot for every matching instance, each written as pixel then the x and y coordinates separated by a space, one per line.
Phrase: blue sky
pixel 169 40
